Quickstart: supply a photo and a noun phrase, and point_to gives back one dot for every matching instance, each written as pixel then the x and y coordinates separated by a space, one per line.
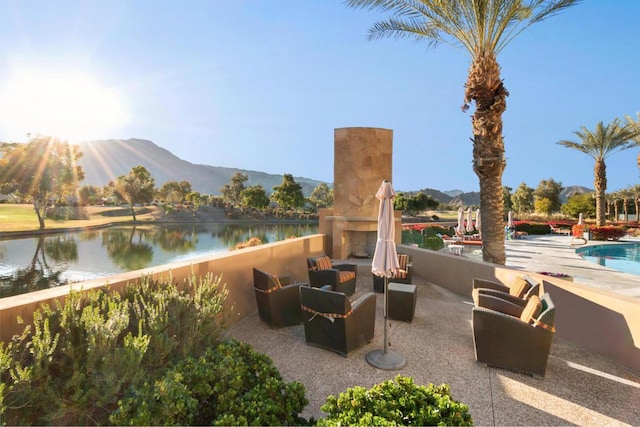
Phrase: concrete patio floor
pixel 580 387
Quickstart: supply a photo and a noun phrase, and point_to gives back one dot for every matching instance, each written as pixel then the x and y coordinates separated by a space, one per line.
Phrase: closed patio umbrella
pixel 478 223
pixel 469 221
pixel 460 227
pixel 510 219
pixel 385 264
pixel 580 219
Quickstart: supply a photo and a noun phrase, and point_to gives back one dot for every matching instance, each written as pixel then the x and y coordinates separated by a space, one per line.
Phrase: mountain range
pixel 105 160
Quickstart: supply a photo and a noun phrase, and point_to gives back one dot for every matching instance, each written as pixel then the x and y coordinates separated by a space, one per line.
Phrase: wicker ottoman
pixel 402 301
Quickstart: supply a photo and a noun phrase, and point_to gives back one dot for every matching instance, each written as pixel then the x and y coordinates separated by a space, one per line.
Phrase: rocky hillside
pixel 105 160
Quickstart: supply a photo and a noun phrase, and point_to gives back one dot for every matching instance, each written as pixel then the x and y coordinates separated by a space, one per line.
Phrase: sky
pixel 262 84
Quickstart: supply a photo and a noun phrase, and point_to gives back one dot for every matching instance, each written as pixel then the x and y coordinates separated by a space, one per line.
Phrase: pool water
pixel 623 257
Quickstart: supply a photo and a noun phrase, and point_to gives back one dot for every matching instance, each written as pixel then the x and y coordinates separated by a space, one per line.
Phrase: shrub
pixel 607 233
pixel 78 358
pixel 228 385
pixel 532 228
pixel 395 402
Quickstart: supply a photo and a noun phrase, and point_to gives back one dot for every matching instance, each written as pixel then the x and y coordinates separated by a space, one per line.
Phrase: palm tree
pixel 634 190
pixel 599 144
pixel 635 124
pixel 483 28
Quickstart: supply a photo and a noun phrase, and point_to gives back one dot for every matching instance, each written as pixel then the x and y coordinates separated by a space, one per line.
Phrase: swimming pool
pixel 624 256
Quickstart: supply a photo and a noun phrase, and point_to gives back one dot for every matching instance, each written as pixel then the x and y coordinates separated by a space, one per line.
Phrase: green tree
pixel 45 170
pixel 580 203
pixel 599 144
pixel 549 189
pixel 196 199
pixel 401 202
pixel 174 191
pixel 288 194
pixel 231 191
pixel 634 191
pixel 89 194
pixel 321 196
pixel 137 186
pixel 507 200
pixel 635 127
pixel 523 199
pixel 483 28
pixel 255 197
pixel 543 205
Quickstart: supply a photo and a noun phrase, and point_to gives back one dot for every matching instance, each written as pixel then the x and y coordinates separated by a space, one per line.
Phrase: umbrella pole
pixel 385 359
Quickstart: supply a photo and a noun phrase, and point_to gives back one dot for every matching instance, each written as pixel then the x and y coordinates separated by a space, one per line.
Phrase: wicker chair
pixel 341 277
pixel 332 322
pixel 519 292
pixel 405 275
pixel 508 336
pixel 278 301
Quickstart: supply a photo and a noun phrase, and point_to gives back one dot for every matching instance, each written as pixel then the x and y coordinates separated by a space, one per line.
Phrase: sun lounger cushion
pixel 403 261
pixel 531 310
pixel 276 281
pixel 520 287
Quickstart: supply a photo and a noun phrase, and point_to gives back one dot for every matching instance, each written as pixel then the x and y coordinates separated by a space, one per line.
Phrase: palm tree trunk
pixel 485 88
pixel 600 183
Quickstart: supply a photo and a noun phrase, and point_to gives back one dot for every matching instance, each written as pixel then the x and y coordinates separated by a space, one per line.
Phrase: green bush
pixel 77 359
pixel 395 402
pixel 228 385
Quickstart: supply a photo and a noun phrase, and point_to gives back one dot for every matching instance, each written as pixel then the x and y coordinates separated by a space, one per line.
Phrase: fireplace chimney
pixel 362 160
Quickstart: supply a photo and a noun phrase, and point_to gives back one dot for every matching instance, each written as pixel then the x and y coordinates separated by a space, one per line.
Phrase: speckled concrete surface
pixel 580 388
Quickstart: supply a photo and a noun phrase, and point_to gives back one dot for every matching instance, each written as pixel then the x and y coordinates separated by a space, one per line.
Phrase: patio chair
pixel 341 277
pixel 516 339
pixel 404 275
pixel 519 292
pixel 332 322
pixel 278 301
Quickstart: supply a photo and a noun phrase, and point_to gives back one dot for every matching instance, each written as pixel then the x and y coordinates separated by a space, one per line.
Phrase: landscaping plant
pixel 77 359
pixel 228 385
pixel 396 402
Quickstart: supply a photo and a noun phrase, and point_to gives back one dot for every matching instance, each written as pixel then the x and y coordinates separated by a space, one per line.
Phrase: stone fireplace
pixel 362 160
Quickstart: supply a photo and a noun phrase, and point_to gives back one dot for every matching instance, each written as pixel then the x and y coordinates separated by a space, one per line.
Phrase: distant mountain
pixel 572 190
pixel 453 193
pixel 105 160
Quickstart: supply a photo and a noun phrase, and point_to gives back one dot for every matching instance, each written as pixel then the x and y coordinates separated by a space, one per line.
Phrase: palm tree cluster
pixel 599 144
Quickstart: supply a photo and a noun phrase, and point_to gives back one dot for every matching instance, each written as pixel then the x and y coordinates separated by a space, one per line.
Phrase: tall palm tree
pixel 598 144
pixel 483 28
pixel 635 124
pixel 634 190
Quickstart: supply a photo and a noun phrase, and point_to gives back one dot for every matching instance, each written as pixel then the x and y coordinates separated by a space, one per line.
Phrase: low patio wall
pixel 602 321
pixel 236 267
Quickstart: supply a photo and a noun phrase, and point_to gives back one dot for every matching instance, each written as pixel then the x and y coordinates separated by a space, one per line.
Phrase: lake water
pixel 34 263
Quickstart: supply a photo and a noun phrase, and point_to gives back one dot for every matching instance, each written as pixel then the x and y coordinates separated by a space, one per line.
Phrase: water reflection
pixel 35 263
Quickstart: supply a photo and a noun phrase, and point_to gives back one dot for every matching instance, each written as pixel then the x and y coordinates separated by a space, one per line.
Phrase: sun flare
pixel 65 104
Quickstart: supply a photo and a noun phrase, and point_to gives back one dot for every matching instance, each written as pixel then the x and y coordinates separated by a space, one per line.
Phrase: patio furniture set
pixel 513 325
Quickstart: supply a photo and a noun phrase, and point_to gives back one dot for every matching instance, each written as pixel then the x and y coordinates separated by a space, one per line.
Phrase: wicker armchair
pixel 278 301
pixel 519 292
pixel 332 322
pixel 519 342
pixel 341 277
pixel 405 274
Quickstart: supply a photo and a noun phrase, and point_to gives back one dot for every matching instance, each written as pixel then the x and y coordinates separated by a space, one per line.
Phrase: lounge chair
pixel 332 322
pixel 341 277
pixel 278 301
pixel 518 292
pixel 515 338
pixel 404 274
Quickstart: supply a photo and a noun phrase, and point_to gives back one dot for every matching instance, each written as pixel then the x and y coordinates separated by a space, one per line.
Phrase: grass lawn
pixel 23 217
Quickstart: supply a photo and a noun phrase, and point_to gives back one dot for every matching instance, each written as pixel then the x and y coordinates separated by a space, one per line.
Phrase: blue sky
pixel 262 84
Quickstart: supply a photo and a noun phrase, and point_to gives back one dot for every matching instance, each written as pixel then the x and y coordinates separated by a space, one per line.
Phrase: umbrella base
pixel 389 360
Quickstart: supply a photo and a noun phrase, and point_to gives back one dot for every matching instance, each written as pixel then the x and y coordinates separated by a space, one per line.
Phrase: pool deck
pixel 554 253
